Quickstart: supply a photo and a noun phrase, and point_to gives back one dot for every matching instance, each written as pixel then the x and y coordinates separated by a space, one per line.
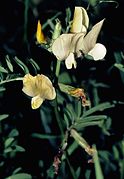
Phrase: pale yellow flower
pixel 80 21
pixel 78 42
pixel 39 88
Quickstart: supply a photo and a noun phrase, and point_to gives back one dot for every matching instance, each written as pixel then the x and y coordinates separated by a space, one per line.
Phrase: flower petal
pixel 75 40
pixel 45 87
pixel 38 85
pixel 80 21
pixel 98 52
pixel 47 91
pixel 85 44
pixel 39 34
pixel 61 46
pixel 70 61
pixel 91 38
pixel 80 46
pixel 36 102
pixel 29 85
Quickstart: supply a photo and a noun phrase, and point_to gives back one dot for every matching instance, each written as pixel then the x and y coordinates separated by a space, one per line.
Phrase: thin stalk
pixel 56 106
pixel 26 20
pixel 10 80
pixel 54 17
pixel 57 68
pixel 71 168
pixel 58 117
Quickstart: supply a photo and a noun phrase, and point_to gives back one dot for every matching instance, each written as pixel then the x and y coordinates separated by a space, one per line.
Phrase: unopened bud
pixel 57 30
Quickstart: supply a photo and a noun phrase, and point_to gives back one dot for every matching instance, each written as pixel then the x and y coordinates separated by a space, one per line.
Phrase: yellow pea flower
pixel 39 34
pixel 39 88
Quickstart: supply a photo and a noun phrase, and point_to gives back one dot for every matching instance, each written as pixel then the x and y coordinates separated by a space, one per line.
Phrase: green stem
pixel 57 68
pixel 71 169
pixel 56 105
pixel 26 19
pixel 58 119
pixel 53 18
pixel 10 80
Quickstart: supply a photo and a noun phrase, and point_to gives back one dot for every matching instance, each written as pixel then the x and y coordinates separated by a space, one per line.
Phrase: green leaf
pixel 78 108
pixel 70 114
pixel 22 65
pixel 19 149
pixel 115 153
pixel 8 150
pixel 34 64
pixel 89 121
pixel 13 133
pixel 71 168
pixel 68 15
pixel 65 88
pixel 20 176
pixel 65 78
pixel 9 64
pixel 51 172
pixel 3 116
pixel 86 124
pixel 98 170
pixel 3 70
pixel 16 148
pixel 93 2
pixel 17 170
pixel 88 57
pixel 109 1
pixel 78 171
pixel 71 149
pixel 119 66
pixel 99 107
pixel 106 126
pixel 81 141
pixel 9 141
pixel 66 120
pixel 106 157
pixel 60 99
pixel 92 118
pixel 2 89
pixel 2 163
pixel 122 147
pixel 121 166
pixel 45 136
pixel 87 174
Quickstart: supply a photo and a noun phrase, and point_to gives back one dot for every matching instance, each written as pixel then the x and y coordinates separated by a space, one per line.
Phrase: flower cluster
pixel 66 47
pixel 78 41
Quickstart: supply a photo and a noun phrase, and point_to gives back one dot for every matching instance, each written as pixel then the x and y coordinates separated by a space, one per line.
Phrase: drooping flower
pixel 39 88
pixel 39 34
pixel 78 93
pixel 76 43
